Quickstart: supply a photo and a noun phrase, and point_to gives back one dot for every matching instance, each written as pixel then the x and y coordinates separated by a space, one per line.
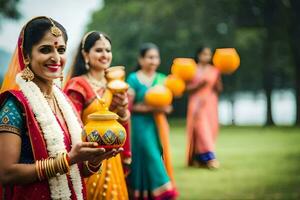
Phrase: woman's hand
pixel 218 87
pixel 192 88
pixel 88 151
pixel 105 155
pixel 119 104
pixel 165 109
pixel 144 108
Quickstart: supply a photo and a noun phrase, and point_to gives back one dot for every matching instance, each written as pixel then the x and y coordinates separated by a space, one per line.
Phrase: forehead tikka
pixel 54 29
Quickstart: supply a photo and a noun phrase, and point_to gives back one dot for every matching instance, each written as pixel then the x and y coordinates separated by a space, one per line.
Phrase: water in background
pixel 250 109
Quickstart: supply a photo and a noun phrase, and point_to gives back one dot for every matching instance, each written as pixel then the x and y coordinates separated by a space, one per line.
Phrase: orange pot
pixel 158 96
pixel 184 68
pixel 226 60
pixel 175 84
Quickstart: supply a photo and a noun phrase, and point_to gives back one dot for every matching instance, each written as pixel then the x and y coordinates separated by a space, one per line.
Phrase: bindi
pixel 55 44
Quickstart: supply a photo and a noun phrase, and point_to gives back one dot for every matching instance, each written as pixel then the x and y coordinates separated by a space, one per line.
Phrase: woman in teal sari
pixel 149 178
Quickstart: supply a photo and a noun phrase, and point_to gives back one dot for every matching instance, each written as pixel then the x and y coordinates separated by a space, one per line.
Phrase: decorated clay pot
pixel 102 127
pixel 226 60
pixel 184 68
pixel 158 96
pixel 175 84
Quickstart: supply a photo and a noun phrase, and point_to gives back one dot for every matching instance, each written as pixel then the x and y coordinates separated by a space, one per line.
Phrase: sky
pixel 72 14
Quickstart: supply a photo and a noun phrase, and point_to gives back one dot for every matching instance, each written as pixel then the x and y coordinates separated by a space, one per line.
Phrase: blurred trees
pixel 8 8
pixel 263 31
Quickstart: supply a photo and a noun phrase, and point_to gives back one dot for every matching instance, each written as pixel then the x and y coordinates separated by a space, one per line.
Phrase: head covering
pixel 16 65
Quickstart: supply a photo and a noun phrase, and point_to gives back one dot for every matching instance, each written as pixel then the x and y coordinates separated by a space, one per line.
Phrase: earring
pixel 87 66
pixel 27 74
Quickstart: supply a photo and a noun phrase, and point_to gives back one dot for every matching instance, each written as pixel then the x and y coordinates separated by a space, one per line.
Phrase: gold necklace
pixel 51 98
pixel 96 84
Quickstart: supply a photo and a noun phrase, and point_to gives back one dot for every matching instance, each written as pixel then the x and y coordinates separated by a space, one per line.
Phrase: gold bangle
pixel 37 170
pixel 53 172
pixel 59 164
pixel 95 166
pixel 92 171
pixel 66 162
pixel 47 168
pixel 41 170
pixel 42 164
pixel 55 165
pixel 52 167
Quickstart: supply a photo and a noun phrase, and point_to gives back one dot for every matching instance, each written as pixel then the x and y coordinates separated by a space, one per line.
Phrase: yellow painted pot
pixel 103 128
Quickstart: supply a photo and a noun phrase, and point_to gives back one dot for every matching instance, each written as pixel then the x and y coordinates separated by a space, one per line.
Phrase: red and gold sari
pixel 110 184
pixel 38 189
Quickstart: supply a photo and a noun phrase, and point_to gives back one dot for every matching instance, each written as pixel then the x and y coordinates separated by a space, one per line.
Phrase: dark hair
pixel 78 67
pixel 198 51
pixel 145 47
pixel 36 29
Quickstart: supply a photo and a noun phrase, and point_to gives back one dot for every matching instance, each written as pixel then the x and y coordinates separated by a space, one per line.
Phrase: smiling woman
pixel 42 155
pixel 87 85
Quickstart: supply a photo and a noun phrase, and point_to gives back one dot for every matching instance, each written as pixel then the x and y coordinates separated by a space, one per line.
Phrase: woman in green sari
pixel 149 177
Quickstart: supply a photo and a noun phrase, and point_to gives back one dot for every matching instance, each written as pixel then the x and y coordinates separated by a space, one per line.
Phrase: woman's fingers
pixel 121 95
pixel 88 144
pixel 93 151
pixel 109 154
pixel 120 150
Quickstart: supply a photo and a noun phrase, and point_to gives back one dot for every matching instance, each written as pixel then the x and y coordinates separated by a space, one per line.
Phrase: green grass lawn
pixel 256 163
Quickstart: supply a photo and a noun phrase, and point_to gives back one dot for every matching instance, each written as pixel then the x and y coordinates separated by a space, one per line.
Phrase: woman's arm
pixel 219 85
pixel 10 171
pixel 144 108
pixel 191 88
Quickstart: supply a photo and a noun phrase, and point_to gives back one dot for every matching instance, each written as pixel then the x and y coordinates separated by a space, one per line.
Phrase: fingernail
pixel 103 149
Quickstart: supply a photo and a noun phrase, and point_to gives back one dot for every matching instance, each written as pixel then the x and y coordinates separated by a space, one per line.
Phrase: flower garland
pixel 53 134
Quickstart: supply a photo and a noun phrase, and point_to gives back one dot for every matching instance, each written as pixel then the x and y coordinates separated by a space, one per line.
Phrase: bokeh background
pixel 259 110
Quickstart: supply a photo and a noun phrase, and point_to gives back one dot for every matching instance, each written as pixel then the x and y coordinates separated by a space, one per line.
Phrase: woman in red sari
pixel 42 155
pixel 202 117
pixel 86 86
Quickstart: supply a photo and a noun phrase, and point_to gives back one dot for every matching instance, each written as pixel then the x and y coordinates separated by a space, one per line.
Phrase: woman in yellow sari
pixel 87 84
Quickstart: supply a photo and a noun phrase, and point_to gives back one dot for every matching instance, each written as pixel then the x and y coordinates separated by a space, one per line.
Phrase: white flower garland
pixel 53 134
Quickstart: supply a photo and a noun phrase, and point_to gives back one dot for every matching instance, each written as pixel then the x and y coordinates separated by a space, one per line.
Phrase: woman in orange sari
pixel 42 155
pixel 202 116
pixel 86 86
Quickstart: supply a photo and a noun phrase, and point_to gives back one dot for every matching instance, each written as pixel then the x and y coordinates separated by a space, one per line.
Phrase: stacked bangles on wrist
pixel 93 168
pixel 52 167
